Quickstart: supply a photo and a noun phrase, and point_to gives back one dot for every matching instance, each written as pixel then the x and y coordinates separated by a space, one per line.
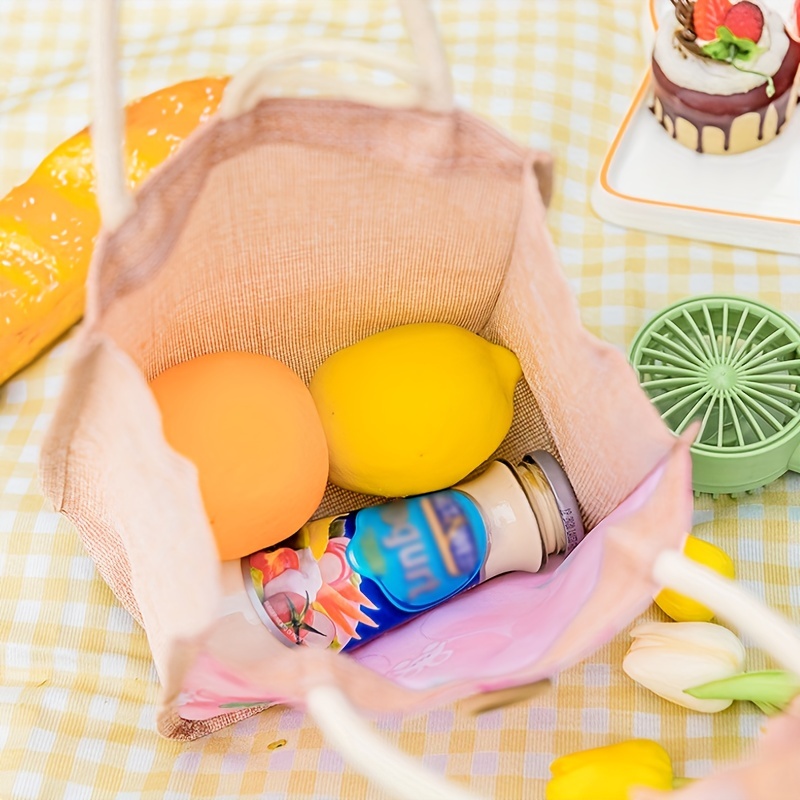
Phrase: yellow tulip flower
pixel 682 608
pixel 609 773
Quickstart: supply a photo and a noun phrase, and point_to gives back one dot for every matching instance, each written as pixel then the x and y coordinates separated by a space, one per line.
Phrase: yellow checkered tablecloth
pixel 77 686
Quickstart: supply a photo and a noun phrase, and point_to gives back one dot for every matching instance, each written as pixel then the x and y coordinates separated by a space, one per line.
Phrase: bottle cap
pixel 565 496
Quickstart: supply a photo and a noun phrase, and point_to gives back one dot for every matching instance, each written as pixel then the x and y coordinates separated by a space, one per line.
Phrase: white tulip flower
pixel 668 657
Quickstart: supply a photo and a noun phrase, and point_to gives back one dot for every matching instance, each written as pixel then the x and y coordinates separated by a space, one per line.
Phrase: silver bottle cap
pixel 565 496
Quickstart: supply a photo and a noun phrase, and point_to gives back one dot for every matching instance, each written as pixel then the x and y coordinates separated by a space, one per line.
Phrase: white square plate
pixel 650 182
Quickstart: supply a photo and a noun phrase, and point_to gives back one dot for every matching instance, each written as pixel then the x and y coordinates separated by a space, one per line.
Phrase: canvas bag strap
pixel 428 76
pixel 429 79
pixel 404 778
pixel 732 604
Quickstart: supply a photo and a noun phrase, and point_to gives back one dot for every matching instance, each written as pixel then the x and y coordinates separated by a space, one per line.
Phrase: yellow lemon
pixel 682 608
pixel 414 409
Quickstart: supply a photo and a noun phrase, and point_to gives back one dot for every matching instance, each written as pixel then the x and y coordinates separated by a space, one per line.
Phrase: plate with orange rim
pixel 650 182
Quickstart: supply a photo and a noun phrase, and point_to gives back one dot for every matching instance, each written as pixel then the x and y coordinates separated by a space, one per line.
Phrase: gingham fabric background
pixel 77 687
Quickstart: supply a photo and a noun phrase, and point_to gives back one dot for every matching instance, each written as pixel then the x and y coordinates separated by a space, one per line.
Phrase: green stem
pixel 770 82
pixel 770 690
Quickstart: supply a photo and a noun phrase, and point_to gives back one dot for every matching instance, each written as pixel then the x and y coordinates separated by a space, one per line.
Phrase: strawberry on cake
pixel 725 77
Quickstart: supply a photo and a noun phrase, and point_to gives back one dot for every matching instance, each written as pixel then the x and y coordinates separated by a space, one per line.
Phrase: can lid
pixel 564 494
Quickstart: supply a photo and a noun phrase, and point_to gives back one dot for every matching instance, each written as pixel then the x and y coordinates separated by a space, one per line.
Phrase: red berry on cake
pixel 709 15
pixel 745 20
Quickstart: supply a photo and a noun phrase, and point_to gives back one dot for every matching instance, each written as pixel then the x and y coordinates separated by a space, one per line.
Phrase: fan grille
pixel 732 364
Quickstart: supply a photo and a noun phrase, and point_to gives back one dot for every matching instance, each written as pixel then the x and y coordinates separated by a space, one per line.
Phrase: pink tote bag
pixel 296 227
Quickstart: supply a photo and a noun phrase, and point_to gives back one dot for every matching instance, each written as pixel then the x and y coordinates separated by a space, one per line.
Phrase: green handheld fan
pixel 733 364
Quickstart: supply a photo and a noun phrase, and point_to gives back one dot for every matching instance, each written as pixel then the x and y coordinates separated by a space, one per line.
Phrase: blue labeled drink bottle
pixel 341 581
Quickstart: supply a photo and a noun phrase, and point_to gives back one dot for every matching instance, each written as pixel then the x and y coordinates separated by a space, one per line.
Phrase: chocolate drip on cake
pixel 686 34
pixel 703 110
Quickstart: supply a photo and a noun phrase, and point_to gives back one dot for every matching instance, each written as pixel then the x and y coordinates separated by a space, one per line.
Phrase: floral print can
pixel 341 581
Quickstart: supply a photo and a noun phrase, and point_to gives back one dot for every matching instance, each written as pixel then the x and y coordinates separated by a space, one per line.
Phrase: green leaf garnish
pixel 719 50
pixel 747 48
pixel 733 50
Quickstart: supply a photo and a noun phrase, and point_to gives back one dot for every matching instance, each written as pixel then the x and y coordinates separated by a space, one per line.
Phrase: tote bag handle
pixel 404 778
pixel 429 79
pixel 732 604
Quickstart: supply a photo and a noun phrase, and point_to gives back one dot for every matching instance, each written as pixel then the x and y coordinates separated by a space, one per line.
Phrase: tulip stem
pixel 771 690
pixel 731 603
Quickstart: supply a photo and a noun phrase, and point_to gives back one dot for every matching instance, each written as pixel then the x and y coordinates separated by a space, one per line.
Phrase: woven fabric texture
pixel 77 684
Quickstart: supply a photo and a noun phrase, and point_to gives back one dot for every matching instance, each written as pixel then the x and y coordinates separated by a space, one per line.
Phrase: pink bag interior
pixel 516 629
pixel 297 229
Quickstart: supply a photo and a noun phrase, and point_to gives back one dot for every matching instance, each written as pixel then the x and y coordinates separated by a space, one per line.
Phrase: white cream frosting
pixel 716 77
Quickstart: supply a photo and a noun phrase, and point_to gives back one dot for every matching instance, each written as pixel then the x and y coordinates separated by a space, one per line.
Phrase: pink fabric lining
pixel 507 624
pixel 297 229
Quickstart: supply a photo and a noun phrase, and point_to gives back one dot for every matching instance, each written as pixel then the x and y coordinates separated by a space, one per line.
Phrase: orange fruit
pixel 250 426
